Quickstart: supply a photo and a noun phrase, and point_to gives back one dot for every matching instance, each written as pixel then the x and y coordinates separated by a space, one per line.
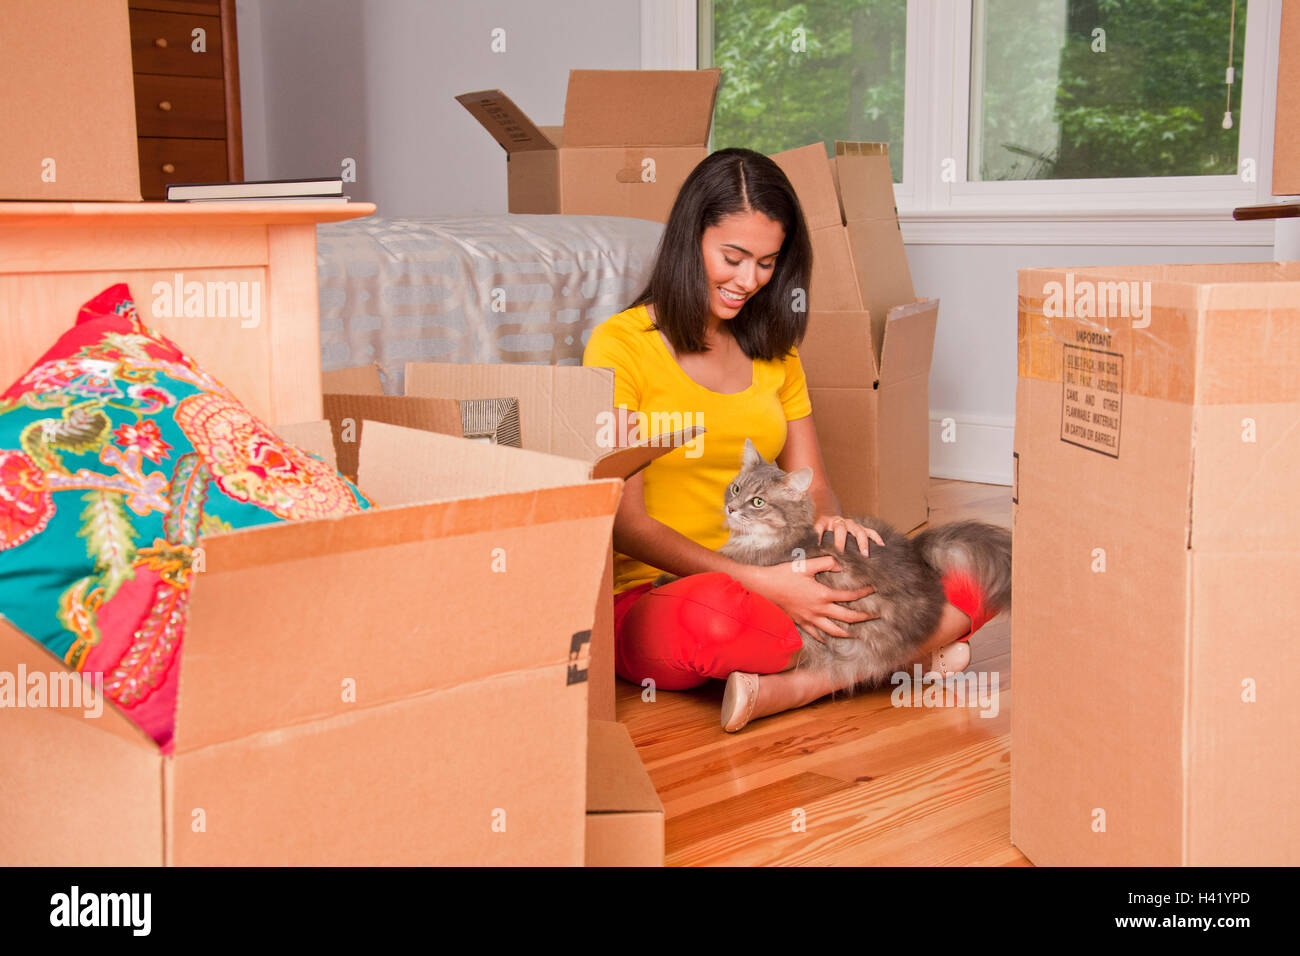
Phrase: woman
pixel 712 339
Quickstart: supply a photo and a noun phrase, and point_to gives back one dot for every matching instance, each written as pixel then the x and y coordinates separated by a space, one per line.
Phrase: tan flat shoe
pixel 951 659
pixel 738 700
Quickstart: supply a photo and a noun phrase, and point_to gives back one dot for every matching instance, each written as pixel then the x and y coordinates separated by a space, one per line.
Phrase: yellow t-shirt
pixel 685 488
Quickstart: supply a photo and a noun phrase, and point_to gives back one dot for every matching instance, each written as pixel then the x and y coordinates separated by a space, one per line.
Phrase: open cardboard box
pixel 1157 550
pixel 561 411
pixel 400 686
pixel 625 819
pixel 870 339
pixel 68 108
pixel 629 140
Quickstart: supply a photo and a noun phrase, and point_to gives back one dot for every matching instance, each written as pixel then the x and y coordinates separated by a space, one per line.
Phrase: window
pixel 1094 89
pixel 796 73
pixel 1011 111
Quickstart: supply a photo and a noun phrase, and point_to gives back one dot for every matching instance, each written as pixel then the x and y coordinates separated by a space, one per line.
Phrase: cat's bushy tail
pixel 981 550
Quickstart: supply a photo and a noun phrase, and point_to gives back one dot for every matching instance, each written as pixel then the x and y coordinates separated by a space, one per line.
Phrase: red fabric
pixel 699 627
pixel 965 595
pixel 707 625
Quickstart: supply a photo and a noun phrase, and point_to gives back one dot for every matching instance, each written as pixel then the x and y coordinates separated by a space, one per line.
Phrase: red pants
pixel 707 625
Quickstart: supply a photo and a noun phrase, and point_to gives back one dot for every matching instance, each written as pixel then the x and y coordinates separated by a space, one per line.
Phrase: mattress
pixel 474 289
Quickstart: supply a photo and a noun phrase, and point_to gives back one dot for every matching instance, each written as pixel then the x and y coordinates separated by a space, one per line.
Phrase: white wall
pixel 374 80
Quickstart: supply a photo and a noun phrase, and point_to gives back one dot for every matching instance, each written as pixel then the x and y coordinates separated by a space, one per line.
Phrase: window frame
pixel 1175 210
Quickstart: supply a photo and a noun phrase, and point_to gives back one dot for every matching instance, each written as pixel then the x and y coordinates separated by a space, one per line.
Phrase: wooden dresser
pixel 186 64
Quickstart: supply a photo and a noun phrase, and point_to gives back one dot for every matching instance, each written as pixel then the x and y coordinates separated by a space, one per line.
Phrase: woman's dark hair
pixel 728 182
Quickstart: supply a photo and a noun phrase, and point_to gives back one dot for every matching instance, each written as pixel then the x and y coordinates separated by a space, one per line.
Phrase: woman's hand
pixel 843 527
pixel 812 605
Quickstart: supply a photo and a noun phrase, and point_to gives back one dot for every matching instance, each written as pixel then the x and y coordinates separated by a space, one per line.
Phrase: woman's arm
pixel 802 451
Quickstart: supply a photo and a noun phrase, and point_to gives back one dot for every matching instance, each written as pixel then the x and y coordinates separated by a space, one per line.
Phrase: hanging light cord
pixel 1232 32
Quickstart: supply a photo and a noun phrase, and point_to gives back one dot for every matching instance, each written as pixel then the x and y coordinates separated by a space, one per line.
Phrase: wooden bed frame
pixel 54 256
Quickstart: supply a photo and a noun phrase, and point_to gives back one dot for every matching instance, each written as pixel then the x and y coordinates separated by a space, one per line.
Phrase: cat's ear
pixel 752 457
pixel 799 481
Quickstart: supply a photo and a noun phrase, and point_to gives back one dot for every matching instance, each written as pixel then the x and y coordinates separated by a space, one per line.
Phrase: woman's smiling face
pixel 739 258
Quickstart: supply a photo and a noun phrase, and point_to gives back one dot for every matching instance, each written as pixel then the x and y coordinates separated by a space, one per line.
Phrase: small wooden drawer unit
pixel 186 66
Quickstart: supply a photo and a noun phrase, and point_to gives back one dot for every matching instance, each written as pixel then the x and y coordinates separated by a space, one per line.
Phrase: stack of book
pixel 278 190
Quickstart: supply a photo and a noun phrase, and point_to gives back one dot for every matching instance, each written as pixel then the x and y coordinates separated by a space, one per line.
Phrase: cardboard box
pixel 561 408
pixel 629 140
pixel 625 820
pixel 1286 126
pixel 68 108
pixel 466 741
pixel 870 340
pixel 1156 554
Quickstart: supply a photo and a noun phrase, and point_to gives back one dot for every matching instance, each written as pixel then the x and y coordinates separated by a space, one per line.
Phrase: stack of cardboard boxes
pixel 870 339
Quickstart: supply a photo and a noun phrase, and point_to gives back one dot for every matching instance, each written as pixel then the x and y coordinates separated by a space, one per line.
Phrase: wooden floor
pixel 851 781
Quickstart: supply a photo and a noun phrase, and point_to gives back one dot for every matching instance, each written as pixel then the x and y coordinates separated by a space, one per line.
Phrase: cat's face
pixel 763 503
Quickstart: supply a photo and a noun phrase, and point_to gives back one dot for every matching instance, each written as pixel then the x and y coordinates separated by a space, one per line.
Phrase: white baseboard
pixel 971 448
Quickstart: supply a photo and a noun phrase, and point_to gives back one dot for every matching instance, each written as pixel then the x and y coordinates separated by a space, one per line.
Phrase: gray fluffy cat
pixel 771 519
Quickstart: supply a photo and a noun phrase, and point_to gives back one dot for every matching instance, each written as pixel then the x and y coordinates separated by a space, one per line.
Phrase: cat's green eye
pixel 758 502
pixel 735 489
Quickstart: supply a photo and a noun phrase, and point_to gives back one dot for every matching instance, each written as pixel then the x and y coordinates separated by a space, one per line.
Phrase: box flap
pixel 639 107
pixel 907 341
pixel 508 124
pixel 626 462
pixel 358 380
pixel 400 466
pixel 809 170
pixel 837 352
pixel 865 181
pixel 393 602
pixel 880 262
pixel 616 779
pixel 313 437
pixel 347 413
pixel 560 406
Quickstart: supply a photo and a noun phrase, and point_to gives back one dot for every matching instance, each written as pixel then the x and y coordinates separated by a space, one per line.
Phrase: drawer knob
pixel 160 43
pixel 168 168
pixel 165 106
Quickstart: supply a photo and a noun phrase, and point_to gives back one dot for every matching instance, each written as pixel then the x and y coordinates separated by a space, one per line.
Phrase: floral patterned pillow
pixel 117 455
